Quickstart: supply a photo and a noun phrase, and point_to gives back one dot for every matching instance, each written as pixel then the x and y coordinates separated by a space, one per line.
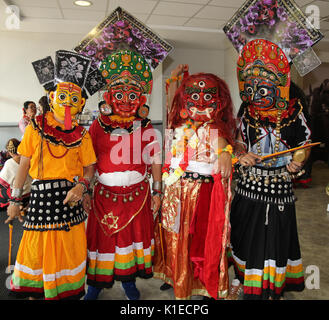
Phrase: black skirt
pixel 46 209
pixel 264 240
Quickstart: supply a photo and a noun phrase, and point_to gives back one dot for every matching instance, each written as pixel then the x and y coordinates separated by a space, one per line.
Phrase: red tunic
pixel 120 225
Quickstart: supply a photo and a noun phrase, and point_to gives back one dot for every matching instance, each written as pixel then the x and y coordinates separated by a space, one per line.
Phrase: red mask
pixel 201 99
pixel 124 100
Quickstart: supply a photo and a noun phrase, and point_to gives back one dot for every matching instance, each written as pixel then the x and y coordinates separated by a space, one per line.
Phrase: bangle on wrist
pixel 16 193
pixel 228 149
pixel 241 142
pixel 156 193
pixel 85 183
pixel 16 201
pixel 157 185
pixel 239 154
pixel 173 79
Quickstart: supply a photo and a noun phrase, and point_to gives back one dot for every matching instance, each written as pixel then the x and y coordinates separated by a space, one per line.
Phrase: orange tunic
pixel 52 263
pixel 66 167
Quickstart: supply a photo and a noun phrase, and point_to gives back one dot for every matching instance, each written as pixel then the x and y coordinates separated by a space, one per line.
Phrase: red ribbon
pixel 207 232
pixel 68 119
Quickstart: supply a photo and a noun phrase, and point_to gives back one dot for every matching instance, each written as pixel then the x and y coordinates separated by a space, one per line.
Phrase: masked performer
pixel 120 226
pixel 264 239
pixel 59 156
pixel 193 234
pixel 120 230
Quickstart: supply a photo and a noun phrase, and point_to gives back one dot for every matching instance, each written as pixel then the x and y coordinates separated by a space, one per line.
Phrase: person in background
pixel 4 156
pixel 43 106
pixel 8 173
pixel 29 112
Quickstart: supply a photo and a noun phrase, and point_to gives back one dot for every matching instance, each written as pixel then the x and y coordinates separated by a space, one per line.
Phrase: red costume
pixel 120 237
pixel 191 255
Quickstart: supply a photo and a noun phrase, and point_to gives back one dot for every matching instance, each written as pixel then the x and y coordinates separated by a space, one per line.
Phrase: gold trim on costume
pixel 133 216
pixel 114 219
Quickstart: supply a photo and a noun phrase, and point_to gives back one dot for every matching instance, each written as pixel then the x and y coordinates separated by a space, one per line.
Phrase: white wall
pixel 18 81
pixel 211 61
pixel 231 58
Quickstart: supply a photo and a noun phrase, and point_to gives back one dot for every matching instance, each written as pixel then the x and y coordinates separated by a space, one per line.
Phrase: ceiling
pixel 184 23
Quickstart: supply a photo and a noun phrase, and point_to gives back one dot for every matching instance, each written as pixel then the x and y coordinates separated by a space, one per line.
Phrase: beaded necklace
pixel 277 139
pixel 188 141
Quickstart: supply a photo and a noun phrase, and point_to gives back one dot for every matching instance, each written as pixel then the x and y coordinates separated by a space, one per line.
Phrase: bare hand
pixel 223 165
pixel 13 212
pixel 75 194
pixel 250 159
pixel 294 166
pixel 155 203
pixel 179 70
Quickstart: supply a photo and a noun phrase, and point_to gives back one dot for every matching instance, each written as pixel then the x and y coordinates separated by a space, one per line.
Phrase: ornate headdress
pixel 269 35
pixel 263 59
pixel 124 50
pixel 279 21
pixel 68 67
pixel 128 68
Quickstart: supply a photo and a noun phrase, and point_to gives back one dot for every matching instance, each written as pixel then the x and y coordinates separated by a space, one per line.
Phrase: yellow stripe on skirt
pixel 51 264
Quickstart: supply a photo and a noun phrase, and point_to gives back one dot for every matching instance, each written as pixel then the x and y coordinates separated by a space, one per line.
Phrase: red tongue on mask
pixel 68 119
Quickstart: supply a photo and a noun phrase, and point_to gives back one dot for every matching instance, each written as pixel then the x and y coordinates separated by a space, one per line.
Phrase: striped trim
pixel 273 277
pixel 53 276
pixel 123 259
pixel 64 273
pixel 57 285
pixel 27 270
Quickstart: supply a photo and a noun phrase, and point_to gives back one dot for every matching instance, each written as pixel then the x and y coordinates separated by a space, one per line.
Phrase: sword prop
pixel 277 154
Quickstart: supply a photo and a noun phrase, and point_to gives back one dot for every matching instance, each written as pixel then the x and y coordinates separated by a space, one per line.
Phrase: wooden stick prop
pixel 290 150
pixel 160 231
pixel 10 243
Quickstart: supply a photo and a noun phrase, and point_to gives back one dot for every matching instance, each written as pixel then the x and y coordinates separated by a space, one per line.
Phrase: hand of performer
pixel 13 212
pixel 223 165
pixel 155 203
pixel 181 68
pixel 75 194
pixel 250 159
pixel 294 166
pixel 86 202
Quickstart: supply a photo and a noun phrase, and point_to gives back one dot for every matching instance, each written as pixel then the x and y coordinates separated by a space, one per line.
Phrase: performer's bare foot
pixel 236 289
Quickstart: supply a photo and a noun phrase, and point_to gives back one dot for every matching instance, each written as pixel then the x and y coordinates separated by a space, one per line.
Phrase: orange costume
pixel 51 260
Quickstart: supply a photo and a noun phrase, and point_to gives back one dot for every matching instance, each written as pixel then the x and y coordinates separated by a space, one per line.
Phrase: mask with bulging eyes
pixel 201 99
pixel 66 102
pixel 261 93
pixel 125 100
